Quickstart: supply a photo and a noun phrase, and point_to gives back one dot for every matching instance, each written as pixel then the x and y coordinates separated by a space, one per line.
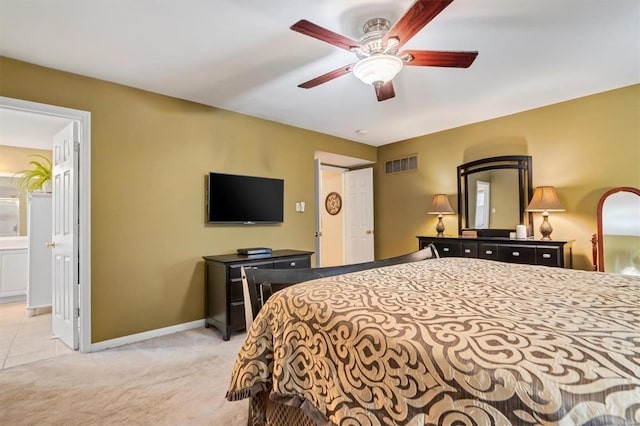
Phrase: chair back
pixel 250 297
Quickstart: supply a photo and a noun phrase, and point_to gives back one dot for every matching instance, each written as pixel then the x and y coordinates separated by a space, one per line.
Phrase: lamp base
pixel 545 228
pixel 440 227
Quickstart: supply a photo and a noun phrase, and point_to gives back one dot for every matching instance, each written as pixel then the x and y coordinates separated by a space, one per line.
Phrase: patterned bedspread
pixel 451 340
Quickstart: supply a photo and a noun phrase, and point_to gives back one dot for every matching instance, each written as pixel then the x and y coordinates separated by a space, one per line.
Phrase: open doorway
pixel 332 216
pixel 344 209
pixel 80 195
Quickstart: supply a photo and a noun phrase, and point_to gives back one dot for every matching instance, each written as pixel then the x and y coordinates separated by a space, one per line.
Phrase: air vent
pixel 400 165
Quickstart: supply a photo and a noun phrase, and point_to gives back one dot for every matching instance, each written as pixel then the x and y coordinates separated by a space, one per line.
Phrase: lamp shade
pixel 440 205
pixel 377 69
pixel 545 199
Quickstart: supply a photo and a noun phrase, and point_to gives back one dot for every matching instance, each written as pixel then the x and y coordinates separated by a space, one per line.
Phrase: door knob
pixel 49 245
pixel 369 231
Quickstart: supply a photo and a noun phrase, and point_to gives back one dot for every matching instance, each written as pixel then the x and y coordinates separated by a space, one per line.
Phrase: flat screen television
pixel 244 199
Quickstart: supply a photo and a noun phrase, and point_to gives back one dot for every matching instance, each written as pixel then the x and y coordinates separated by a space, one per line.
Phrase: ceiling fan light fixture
pixel 377 69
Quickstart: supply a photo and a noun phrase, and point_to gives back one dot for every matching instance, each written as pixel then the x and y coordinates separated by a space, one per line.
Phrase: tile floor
pixel 26 339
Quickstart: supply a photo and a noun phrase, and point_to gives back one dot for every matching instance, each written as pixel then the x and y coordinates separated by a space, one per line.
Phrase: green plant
pixel 35 178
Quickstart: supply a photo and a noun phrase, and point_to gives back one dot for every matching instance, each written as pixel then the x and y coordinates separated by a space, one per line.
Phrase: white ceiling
pixel 242 56
pixel 29 130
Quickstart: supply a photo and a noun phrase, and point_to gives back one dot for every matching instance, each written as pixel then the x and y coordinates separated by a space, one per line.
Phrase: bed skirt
pixel 264 412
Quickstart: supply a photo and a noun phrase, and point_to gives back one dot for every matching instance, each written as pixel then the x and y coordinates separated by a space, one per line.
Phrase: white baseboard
pixel 139 337
pixel 14 299
pixel 38 310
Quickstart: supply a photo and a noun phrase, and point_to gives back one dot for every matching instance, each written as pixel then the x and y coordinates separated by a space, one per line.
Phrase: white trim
pixel 84 213
pixel 139 337
pixel 317 171
pixel 13 299
pixel 344 220
pixel 333 168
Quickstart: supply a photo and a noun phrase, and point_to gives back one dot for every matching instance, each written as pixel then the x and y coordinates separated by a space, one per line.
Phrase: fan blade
pixel 418 15
pixel 435 58
pixel 326 77
pixel 385 91
pixel 312 30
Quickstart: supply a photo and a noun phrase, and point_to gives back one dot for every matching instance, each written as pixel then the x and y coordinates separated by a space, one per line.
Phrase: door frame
pixel 83 196
pixel 317 171
pixel 339 161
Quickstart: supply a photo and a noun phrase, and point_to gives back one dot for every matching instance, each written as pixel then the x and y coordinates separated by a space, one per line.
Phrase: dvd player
pixel 254 250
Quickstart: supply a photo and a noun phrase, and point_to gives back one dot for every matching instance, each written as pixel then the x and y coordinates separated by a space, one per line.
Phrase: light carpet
pixel 180 379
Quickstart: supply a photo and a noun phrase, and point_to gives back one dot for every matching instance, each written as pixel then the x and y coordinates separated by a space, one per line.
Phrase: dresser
pixel 224 303
pixel 532 252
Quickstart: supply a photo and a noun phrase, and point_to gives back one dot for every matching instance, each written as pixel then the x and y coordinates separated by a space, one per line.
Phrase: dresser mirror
pixel 493 194
pixel 618 240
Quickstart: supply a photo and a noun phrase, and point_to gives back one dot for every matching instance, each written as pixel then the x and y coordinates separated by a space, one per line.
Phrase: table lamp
pixel 545 200
pixel 440 205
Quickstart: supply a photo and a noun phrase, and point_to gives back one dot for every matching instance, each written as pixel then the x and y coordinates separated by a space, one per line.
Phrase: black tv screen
pixel 244 199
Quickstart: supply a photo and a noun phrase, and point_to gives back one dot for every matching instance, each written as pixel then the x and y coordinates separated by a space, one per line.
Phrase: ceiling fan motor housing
pixel 374 31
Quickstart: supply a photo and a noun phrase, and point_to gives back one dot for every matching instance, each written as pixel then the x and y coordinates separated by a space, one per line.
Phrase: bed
pixel 446 341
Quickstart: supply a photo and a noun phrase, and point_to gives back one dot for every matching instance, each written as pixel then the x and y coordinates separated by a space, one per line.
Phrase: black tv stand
pixel 224 303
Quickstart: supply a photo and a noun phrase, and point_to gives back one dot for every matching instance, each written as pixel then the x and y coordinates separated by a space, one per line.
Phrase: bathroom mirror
pixel 618 237
pixel 10 204
pixel 493 194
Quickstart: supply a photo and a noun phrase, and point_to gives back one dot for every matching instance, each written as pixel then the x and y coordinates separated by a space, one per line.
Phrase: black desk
pixel 224 303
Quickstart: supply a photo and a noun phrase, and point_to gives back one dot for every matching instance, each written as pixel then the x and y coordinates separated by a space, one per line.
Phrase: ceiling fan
pixel 378 50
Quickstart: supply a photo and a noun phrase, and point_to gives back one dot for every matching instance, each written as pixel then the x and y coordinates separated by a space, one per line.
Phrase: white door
pixel 318 172
pixel 65 239
pixel 358 205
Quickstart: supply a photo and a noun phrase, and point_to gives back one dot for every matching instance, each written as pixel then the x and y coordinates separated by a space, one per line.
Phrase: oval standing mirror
pixel 619 231
pixel 493 194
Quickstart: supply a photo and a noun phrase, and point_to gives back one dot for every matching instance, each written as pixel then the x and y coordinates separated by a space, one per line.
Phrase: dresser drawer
pixel 234 270
pixel 447 249
pixel 548 256
pixel 469 250
pixel 517 254
pixel 488 251
pixel 235 281
pixel 297 262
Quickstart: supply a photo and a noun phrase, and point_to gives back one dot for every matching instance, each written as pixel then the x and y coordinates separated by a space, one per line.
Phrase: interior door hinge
pixel 76 146
pixel 77 313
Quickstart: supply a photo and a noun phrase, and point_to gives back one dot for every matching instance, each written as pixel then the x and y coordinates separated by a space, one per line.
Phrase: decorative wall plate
pixel 333 203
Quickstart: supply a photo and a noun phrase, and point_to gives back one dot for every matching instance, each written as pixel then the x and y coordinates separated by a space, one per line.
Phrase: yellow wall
pixel 582 147
pixel 150 155
pixel 13 160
